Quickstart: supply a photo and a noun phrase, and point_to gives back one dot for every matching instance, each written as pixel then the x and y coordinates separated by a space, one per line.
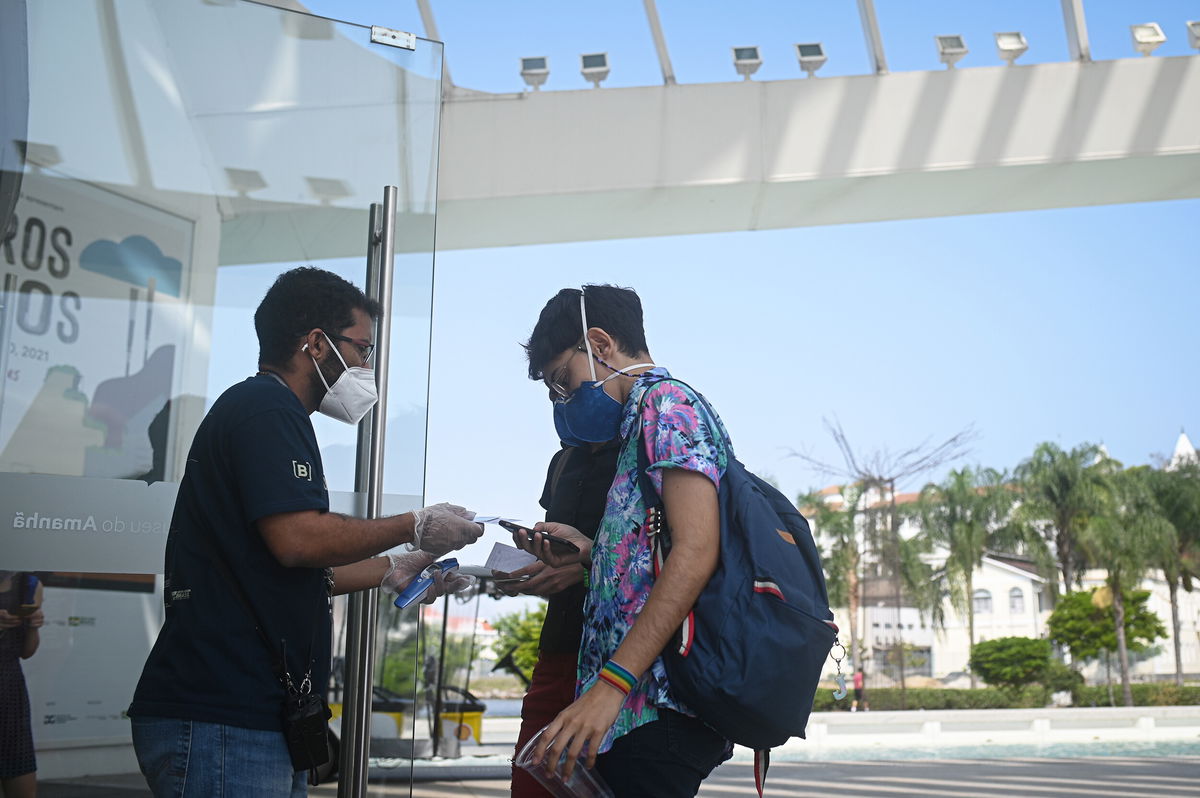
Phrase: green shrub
pixel 888 698
pixel 1144 695
pixel 1061 677
pixel 824 702
pixel 1011 662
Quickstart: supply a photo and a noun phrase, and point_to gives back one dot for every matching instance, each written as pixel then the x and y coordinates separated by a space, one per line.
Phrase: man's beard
pixel 330 370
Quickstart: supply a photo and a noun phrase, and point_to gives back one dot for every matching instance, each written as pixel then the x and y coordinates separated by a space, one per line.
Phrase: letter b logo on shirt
pixel 302 470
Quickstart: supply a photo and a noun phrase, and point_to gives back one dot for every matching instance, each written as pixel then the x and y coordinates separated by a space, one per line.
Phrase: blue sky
pixel 1066 325
pixel 1070 325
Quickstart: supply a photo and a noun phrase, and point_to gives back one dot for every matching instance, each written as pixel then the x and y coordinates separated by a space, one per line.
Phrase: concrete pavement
pixel 1177 777
pixel 1108 777
pixel 943 754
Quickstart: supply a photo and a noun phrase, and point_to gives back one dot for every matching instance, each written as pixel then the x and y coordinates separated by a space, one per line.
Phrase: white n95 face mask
pixel 352 394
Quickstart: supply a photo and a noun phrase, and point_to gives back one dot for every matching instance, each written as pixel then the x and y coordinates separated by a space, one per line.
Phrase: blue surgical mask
pixel 589 414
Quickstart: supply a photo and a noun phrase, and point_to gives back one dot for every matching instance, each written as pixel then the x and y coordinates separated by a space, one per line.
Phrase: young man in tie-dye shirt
pixel 589 347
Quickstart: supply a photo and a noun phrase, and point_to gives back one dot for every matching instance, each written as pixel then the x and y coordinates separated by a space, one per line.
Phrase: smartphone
pixel 25 610
pixel 511 580
pixel 561 543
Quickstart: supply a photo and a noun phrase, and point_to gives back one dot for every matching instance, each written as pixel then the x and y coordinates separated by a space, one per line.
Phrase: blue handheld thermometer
pixel 417 589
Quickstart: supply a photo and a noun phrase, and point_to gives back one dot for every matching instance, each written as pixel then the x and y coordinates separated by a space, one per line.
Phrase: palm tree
pixel 1063 489
pixel 837 525
pixel 1126 538
pixel 1177 492
pixel 962 515
pixel 924 587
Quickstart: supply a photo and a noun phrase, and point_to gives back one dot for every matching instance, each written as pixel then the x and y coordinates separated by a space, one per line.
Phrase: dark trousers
pixel 551 690
pixel 663 759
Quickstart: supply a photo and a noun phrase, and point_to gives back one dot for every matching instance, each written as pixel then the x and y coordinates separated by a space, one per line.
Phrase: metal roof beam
pixel 870 24
pixel 1077 35
pixel 431 32
pixel 660 43
pixel 792 153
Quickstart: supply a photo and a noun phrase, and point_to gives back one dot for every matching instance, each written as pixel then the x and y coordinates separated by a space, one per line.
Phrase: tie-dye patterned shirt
pixel 678 432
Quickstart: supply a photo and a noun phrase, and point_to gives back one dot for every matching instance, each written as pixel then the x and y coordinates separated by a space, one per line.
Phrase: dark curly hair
pixel 617 311
pixel 303 299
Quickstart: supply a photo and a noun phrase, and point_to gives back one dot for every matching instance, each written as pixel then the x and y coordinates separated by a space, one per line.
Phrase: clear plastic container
pixel 583 783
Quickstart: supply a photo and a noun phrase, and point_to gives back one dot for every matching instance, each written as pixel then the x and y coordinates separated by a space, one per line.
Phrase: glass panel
pixel 172 158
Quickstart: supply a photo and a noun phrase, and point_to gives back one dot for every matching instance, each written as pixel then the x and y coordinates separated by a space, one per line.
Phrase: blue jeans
pixel 186 758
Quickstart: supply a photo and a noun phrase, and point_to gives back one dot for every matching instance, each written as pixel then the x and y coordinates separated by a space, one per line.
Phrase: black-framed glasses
pixel 365 349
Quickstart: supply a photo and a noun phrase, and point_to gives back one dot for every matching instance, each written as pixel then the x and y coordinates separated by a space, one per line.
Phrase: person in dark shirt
pixel 577 483
pixel 207 710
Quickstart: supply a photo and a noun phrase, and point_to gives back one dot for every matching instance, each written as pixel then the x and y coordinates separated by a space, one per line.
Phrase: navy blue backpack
pixel 748 657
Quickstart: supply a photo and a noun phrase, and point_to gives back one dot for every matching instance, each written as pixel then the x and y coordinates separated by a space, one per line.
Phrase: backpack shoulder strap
pixel 649 494
pixel 762 761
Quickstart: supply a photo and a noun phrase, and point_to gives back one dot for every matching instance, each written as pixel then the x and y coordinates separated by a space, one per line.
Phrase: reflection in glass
pixel 151 189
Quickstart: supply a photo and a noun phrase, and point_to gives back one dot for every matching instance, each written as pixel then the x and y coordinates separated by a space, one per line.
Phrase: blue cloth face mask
pixel 589 414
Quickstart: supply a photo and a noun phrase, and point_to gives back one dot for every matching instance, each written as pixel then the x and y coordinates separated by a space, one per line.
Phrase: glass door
pixel 164 161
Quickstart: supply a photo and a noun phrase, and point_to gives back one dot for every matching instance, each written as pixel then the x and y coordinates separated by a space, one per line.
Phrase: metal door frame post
pixel 362 608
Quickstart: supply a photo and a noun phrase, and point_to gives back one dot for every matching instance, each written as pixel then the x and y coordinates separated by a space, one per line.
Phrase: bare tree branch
pixel 881 467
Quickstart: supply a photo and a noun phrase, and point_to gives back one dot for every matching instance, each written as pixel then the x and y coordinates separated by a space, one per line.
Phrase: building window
pixel 1016 601
pixel 982 602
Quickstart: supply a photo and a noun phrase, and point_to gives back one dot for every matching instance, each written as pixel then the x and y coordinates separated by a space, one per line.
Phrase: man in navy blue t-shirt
pixel 207 711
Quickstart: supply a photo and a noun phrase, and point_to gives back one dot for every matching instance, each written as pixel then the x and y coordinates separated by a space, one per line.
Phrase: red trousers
pixel 552 690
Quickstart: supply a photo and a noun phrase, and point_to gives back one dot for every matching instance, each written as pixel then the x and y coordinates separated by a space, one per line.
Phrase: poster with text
pixel 93 329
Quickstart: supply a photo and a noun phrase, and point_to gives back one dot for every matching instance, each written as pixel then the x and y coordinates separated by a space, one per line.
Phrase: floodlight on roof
pixel 1011 46
pixel 535 71
pixel 811 57
pixel 594 67
pixel 1193 27
pixel 243 181
pixel 950 49
pixel 37 155
pixel 746 61
pixel 1147 37
pixel 328 190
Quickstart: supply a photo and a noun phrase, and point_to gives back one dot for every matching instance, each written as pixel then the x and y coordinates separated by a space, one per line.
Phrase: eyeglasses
pixel 556 383
pixel 365 349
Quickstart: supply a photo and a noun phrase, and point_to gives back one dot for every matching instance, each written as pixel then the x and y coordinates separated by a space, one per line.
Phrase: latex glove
pixel 441 528
pixel 448 582
pixel 403 568
pixel 408 566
